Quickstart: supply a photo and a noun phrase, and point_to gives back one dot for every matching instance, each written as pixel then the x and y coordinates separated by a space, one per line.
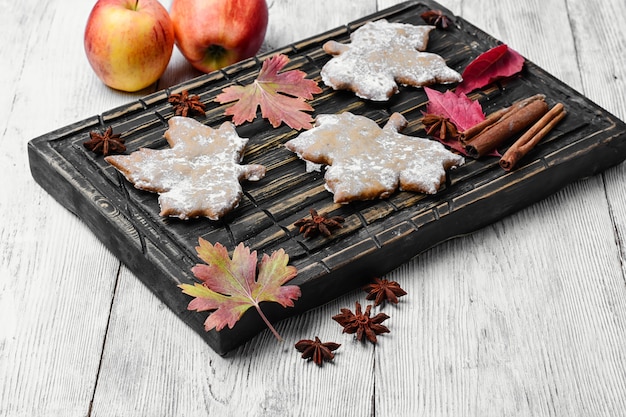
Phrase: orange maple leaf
pixel 231 286
pixel 281 96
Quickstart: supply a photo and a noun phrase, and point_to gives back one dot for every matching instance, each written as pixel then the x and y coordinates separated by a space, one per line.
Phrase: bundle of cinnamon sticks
pixel 531 113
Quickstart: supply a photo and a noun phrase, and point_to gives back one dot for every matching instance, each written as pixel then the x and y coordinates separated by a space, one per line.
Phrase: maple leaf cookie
pixel 365 162
pixel 381 55
pixel 198 176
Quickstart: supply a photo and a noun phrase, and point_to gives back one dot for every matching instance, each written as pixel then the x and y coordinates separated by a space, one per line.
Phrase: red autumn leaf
pixel 458 108
pixel 231 286
pixel 496 63
pixel 281 96
pixel 453 144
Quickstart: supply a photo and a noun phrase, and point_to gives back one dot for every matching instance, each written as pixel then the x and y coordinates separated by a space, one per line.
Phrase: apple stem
pixel 136 4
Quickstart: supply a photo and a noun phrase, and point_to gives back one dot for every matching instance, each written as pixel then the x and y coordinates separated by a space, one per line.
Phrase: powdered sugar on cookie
pixel 381 55
pixel 366 162
pixel 198 176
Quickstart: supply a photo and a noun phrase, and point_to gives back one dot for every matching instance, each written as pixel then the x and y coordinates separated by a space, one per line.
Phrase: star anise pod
pixel 185 105
pixel 361 323
pixel 436 18
pixel 384 290
pixel 106 143
pixel 319 223
pixel 316 350
pixel 439 126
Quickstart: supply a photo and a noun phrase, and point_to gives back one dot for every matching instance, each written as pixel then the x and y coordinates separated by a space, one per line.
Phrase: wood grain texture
pixel 42 372
pixel 534 325
pixel 542 267
pixel 290 22
pixel 376 237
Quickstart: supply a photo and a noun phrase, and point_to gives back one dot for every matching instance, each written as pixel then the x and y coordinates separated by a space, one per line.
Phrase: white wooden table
pixel 524 317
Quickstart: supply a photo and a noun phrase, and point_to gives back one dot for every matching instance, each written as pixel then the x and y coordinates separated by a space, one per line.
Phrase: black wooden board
pixel 377 237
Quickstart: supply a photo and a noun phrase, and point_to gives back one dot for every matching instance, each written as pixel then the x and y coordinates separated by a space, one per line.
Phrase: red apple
pixel 212 34
pixel 129 42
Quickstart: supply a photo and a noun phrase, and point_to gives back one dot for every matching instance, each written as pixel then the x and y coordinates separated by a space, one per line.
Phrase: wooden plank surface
pixel 376 237
pixel 525 317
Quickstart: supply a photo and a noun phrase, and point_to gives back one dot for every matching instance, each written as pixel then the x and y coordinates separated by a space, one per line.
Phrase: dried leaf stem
pixel 268 324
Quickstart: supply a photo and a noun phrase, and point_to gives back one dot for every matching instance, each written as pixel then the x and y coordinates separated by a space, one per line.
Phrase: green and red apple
pixel 129 43
pixel 212 34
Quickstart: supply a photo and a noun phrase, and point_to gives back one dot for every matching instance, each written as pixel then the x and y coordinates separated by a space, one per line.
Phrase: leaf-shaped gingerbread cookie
pixel 381 55
pixel 367 162
pixel 198 176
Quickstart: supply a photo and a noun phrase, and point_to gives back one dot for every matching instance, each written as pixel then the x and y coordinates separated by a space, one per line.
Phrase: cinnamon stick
pixel 529 139
pixel 513 122
pixel 468 134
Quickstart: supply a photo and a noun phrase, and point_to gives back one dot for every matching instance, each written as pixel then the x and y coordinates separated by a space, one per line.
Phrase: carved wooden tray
pixel 377 236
